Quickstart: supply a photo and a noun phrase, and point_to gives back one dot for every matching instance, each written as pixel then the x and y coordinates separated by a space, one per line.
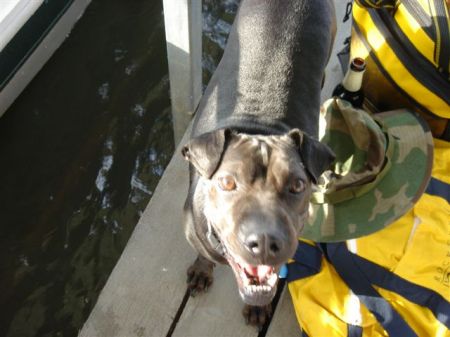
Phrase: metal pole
pixel 183 24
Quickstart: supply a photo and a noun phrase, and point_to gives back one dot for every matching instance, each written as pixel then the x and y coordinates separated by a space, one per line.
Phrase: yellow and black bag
pixel 406 45
pixel 395 282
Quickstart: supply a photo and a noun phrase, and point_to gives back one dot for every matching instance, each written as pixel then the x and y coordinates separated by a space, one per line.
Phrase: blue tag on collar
pixel 283 271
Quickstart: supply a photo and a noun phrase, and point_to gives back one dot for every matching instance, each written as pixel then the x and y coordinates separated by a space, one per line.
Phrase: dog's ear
pixel 316 156
pixel 205 151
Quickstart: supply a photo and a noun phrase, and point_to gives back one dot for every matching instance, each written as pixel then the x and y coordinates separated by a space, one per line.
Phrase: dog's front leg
pixel 257 316
pixel 200 275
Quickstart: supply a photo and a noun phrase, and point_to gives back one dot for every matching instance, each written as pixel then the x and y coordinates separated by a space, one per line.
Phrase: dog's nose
pixel 264 245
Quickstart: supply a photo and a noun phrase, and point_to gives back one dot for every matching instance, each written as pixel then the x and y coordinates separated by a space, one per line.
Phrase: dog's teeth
pixel 258 289
pixel 245 280
pixel 272 279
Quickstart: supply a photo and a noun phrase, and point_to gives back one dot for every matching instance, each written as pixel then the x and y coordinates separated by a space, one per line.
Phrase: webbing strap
pixel 354 330
pixel 438 188
pixel 348 270
pixel 425 297
pixel 309 265
pixel 359 274
pixel 307 262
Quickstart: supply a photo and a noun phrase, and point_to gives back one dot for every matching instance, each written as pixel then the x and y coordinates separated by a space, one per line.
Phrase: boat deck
pixel 30 32
pixel 146 292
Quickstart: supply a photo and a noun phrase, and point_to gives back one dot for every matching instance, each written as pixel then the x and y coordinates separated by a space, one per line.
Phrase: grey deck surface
pixel 147 286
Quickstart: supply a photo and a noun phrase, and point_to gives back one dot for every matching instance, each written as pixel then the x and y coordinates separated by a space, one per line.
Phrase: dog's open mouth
pixel 257 283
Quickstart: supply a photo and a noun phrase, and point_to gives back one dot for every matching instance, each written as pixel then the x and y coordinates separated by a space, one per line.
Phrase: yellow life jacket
pixel 395 282
pixel 406 45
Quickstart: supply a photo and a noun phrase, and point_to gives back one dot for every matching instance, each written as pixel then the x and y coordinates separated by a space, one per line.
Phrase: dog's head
pixel 256 191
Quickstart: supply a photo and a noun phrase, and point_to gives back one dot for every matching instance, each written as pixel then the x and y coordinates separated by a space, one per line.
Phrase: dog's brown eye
pixel 297 186
pixel 227 183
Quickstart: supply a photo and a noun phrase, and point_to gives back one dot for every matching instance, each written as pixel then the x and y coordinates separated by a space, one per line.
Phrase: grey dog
pixel 253 152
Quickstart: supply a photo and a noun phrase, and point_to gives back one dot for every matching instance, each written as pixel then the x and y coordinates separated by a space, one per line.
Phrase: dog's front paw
pixel 200 275
pixel 257 316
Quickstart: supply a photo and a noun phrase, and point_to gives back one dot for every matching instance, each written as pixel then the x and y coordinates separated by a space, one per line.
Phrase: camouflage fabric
pixel 383 165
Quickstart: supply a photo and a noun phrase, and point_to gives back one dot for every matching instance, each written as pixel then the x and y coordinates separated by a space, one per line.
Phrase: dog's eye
pixel 297 186
pixel 227 183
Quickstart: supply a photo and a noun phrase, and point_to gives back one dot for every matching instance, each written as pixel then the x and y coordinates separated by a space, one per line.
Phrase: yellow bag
pixel 406 45
pixel 395 282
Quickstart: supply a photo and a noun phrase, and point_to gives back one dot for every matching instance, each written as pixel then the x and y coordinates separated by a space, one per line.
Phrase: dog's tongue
pixel 260 271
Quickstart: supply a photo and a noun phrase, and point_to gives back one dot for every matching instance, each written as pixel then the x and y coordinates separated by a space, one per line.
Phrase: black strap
pixel 354 330
pixel 438 188
pixel 422 296
pixel 357 271
pixel 348 270
pixel 307 262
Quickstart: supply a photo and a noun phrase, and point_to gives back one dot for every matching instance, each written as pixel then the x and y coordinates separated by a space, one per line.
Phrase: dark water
pixel 81 152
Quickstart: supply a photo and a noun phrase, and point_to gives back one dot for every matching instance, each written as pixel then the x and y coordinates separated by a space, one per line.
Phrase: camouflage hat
pixel 382 167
